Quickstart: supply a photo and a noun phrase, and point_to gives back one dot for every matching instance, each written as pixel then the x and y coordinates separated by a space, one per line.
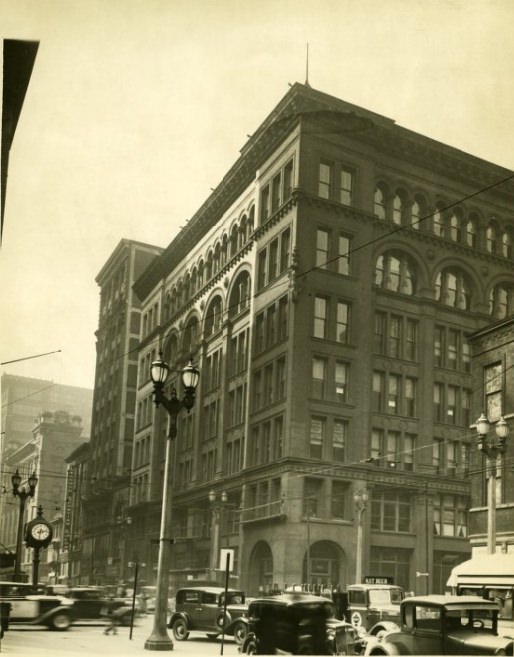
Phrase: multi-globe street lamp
pixel 22 493
pixel 491 448
pixel 360 499
pixel 159 370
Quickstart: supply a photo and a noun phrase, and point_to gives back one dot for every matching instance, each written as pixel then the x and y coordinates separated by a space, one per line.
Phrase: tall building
pixel 112 424
pixel 54 435
pixel 493 387
pixel 326 290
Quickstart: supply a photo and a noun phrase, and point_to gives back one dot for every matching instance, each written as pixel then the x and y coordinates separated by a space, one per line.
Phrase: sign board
pixel 373 579
pixel 224 552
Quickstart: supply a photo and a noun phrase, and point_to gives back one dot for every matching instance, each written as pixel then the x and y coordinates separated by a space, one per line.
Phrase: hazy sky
pixel 135 109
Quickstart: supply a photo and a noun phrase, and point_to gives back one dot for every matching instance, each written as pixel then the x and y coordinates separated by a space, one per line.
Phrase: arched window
pixel 194 281
pixel 395 271
pixel 380 203
pixel 240 295
pixel 250 223
pixel 453 289
pixel 491 238
pixel 173 301
pixel 455 227
pixel 397 210
pixel 418 211
pixel 179 295
pixel 187 288
pixel 501 301
pixel 471 232
pixel 242 233
pixel 233 240
pixel 191 335
pixel 438 221
pixel 201 273
pixel 216 261
pixel 208 266
pixel 213 317
pixel 167 306
pixel 507 243
pixel 224 250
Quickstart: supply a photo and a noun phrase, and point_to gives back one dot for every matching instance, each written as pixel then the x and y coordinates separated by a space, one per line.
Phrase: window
pixel 437 454
pixel 273 260
pixel 452 289
pixel 342 322
pixel 380 333
pixel 491 238
pixel 401 394
pixel 213 317
pixel 393 394
pixel 240 295
pixel 276 190
pixel 471 233
pixel 450 516
pixel 288 180
pixel 312 496
pixel 265 204
pixel 345 190
pixel 340 430
pixel 438 401
pixel 451 404
pixel 455 228
pixel 394 271
pixel 438 222
pixel 390 512
pixel 338 501
pixel 395 336
pixel 325 180
pixel 507 250
pixel 378 392
pixel 493 384
pixel 320 317
pixel 397 210
pixel 343 259
pixel 379 204
pixel 410 397
pixel 501 301
pixel 317 437
pixel 341 381
pixel 322 249
pixel 319 374
pixel 392 448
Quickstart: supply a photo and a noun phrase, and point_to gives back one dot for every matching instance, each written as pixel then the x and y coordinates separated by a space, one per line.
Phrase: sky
pixel 137 108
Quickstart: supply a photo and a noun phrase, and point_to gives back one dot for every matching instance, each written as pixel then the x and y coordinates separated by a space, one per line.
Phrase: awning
pixel 484 569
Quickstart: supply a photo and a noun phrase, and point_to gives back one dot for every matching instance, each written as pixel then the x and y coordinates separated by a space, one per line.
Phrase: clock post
pixel 38 534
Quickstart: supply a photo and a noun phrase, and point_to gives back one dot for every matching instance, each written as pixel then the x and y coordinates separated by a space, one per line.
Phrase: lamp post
pixel 159 639
pixel 217 507
pixel 360 499
pixel 491 449
pixel 22 493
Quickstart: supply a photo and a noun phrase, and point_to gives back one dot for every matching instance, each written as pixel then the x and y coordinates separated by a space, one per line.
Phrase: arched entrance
pixel 260 571
pixel 324 565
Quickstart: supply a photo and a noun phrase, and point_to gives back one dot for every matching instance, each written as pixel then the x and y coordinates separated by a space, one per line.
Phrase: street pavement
pixel 80 640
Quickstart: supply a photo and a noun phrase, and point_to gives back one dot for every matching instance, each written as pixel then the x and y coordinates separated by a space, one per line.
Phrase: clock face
pixel 40 531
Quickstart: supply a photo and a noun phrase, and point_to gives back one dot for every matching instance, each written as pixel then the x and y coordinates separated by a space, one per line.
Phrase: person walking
pixel 113 620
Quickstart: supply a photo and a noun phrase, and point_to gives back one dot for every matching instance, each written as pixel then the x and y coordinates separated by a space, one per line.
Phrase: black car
pixel 92 603
pixel 24 603
pixel 203 609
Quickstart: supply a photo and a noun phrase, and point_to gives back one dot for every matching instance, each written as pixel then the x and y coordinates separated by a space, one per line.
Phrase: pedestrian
pixel 113 619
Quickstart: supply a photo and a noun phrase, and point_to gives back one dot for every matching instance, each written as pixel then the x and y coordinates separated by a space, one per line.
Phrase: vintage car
pixel 444 625
pixel 91 603
pixel 23 603
pixel 298 624
pixel 202 609
pixel 373 605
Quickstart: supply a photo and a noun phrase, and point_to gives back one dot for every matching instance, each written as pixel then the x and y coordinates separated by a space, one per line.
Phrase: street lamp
pixel 491 449
pixel 159 370
pixel 360 499
pixel 217 506
pixel 22 493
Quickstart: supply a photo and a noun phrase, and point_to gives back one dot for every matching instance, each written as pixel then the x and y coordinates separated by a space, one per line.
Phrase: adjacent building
pixel 493 387
pixel 106 495
pixel 326 290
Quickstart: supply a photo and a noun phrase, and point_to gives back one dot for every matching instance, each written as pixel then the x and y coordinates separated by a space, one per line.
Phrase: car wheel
pixel 60 622
pixel 180 629
pixel 240 631
pixel 250 647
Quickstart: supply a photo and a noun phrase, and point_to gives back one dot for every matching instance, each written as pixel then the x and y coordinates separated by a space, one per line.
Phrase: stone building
pixel 106 493
pixel 326 290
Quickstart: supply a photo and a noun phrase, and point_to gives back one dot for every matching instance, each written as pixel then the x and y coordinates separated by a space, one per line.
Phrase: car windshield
pixel 382 597
pixel 236 598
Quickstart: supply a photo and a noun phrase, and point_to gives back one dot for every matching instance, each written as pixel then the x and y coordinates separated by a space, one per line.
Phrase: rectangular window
pixel 493 381
pixel 410 397
pixel 282 318
pixel 268 384
pixel 390 512
pixel 265 204
pixel 453 349
pixel 438 401
pixel 393 394
pixel 451 404
pixel 466 356
pixel 318 381
pixel 257 390
pixel 266 443
pixel 411 340
pixel 288 180
pixel 395 336
pixel 338 500
pixel 270 326
pixel 437 454
pixel 322 239
pixel 320 317
pixel 465 405
pixel 343 256
pixel 261 269
pixel 317 436
pixel 341 381
pixel 280 383
pixel 342 322
pixel 438 346
pixel 392 448
pixel 275 193
pixel 346 187
pixel 325 180
pixel 285 248
pixel 259 333
pixel 339 440
pixel 278 437
pixel 378 392
pixel 409 443
pixel 380 333
pixel 273 260
pixel 377 437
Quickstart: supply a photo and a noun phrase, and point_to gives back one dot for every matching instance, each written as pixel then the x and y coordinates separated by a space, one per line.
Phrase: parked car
pixel 92 603
pixel 22 603
pixel 444 625
pixel 370 604
pixel 201 609
pixel 298 624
